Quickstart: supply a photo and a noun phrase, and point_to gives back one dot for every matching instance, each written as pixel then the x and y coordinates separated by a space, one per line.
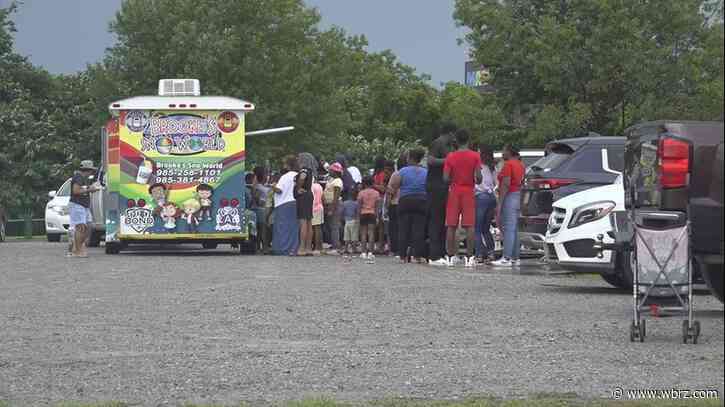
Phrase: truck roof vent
pixel 179 87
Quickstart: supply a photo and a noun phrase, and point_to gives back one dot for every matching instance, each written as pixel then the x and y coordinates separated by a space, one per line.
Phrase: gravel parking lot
pixel 176 326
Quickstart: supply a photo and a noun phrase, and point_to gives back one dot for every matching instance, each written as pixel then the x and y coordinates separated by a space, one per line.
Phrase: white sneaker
pixel 502 262
pixel 516 263
pixel 442 262
pixel 470 262
pixel 453 261
pixel 364 256
pixel 371 258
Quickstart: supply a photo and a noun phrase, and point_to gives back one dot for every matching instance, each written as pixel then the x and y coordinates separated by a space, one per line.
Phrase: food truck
pixel 174 169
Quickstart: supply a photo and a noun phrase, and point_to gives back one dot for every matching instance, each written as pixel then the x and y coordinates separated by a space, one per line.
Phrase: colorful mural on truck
pixel 176 175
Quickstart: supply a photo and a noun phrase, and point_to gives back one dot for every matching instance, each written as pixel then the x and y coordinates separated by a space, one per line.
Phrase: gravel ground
pixel 158 328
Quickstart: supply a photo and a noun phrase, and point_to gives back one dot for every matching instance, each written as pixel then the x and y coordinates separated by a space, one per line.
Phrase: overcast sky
pixel 64 35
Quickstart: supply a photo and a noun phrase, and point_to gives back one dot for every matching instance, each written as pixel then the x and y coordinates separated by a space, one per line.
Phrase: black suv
pixel 570 166
pixel 674 170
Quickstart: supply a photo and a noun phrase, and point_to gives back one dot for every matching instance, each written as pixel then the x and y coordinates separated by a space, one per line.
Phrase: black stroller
pixel 661 267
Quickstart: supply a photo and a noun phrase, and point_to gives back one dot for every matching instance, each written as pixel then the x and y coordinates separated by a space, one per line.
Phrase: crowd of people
pixel 411 208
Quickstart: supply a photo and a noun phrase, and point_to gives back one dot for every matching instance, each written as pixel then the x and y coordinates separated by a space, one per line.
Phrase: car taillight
pixel 674 163
pixel 550 183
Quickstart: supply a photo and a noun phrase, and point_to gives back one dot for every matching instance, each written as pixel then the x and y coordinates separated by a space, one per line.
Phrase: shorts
pixel 352 231
pixel 368 219
pixel 79 215
pixel 461 204
pixel 304 206
pixel 318 217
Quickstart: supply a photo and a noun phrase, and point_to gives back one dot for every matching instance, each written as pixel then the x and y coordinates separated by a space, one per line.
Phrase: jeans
pixel 412 210
pixel 510 219
pixel 334 222
pixel 485 209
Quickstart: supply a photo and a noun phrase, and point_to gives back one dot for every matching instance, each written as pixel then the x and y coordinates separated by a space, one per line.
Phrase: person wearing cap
pixel 332 209
pixel 79 207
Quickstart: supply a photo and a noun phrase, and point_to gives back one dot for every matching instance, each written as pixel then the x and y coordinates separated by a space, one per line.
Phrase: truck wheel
pixel 713 276
pixel 53 237
pixel 94 240
pixel 248 247
pixel 113 248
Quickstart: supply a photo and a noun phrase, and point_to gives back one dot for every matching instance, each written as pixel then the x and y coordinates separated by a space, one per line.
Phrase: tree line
pixel 560 68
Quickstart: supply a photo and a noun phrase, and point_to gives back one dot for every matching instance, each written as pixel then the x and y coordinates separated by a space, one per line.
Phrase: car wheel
pixel 613 279
pixel 713 276
pixel 624 269
pixel 53 237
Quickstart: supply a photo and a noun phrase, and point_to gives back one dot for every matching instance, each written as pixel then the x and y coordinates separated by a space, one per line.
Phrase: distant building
pixel 478 77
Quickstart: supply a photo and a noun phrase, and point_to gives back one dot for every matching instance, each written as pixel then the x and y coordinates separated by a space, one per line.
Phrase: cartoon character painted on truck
pixel 159 159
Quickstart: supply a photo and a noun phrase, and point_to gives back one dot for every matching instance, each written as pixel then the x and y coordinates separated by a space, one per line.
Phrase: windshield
pixel 549 162
pixel 64 189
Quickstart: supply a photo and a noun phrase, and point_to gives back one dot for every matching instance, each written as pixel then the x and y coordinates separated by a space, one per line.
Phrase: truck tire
pixel 713 276
pixel 248 247
pixel 113 248
pixel 53 237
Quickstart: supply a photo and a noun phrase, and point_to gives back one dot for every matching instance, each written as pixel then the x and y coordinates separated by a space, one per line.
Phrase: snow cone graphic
pixel 164 145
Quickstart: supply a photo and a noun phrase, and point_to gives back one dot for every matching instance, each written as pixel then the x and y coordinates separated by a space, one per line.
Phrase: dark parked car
pixel 3 224
pixel 570 166
pixel 676 168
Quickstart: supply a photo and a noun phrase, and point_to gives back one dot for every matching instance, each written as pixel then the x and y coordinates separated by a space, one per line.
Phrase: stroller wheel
pixel 685 331
pixel 695 332
pixel 643 329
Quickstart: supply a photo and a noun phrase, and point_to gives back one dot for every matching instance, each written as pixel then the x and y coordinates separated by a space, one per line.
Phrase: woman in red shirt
pixel 509 206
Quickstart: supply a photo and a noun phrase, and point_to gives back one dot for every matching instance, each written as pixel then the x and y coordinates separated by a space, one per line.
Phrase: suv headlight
pixel 60 210
pixel 591 212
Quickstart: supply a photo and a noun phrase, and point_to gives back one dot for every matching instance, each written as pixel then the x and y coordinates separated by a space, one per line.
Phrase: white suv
pixel 574 226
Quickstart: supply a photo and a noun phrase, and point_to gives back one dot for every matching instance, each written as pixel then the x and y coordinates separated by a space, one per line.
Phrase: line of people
pixel 412 208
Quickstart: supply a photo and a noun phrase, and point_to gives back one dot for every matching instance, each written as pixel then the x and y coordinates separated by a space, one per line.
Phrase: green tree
pixel 597 65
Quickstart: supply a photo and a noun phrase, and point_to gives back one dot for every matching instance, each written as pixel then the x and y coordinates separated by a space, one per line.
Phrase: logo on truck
pixel 138 219
pixel 182 135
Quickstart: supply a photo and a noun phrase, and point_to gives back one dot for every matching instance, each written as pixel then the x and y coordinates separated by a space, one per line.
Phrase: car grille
pixel 556 220
pixel 583 248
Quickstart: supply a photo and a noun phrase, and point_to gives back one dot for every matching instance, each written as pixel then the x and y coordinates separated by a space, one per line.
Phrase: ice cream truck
pixel 174 169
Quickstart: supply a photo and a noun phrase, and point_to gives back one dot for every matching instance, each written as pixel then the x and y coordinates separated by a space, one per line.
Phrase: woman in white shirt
pixel 485 206
pixel 286 235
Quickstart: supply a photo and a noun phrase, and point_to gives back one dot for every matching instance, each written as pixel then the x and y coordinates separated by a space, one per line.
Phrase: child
pixel 304 197
pixel 318 216
pixel 369 201
pixel 351 213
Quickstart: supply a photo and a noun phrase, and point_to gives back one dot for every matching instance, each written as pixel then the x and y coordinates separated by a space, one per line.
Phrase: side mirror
pixel 51 194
